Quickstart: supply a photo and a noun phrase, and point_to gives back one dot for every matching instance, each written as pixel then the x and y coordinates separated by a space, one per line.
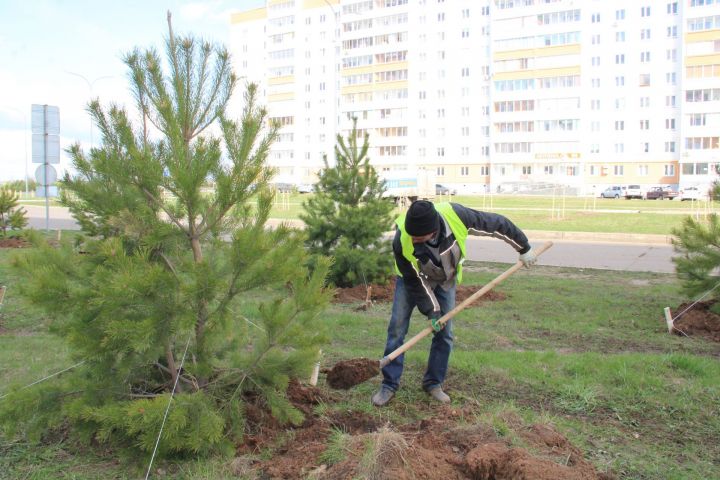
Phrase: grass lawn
pixel 586 351
pixel 571 214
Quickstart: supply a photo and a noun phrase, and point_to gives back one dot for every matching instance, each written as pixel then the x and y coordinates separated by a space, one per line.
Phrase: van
pixel 633 191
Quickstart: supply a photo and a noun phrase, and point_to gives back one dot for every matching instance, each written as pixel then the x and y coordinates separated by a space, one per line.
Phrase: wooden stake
pixel 668 319
pixel 2 294
pixel 316 370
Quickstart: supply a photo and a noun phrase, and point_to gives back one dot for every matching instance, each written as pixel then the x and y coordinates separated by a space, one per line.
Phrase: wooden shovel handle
pixel 459 308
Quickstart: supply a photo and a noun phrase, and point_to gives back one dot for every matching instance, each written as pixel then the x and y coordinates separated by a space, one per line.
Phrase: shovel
pixel 356 371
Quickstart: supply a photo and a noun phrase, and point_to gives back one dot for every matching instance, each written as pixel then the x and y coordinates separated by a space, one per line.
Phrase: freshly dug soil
pixel 13 242
pixel 385 293
pixel 699 320
pixel 353 372
pixel 441 446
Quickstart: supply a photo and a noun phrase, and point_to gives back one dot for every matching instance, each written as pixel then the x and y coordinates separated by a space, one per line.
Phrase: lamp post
pixel 90 85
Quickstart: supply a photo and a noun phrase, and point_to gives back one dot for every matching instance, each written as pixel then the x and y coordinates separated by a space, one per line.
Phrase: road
pixel 631 257
pixel 626 253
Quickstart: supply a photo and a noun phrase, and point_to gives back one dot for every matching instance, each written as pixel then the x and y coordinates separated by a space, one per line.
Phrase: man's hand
pixel 528 258
pixel 436 326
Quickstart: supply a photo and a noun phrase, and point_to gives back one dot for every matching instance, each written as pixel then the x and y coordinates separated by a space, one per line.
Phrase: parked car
pixel 660 193
pixel 633 191
pixel 306 188
pixel 615 191
pixel 443 190
pixel 283 187
pixel 692 193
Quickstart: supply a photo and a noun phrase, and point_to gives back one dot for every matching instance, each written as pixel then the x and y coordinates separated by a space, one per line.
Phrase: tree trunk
pixel 202 313
pixel 171 365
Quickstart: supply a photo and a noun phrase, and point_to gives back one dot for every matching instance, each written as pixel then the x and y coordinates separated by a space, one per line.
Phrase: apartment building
pixel 700 120
pixel 498 95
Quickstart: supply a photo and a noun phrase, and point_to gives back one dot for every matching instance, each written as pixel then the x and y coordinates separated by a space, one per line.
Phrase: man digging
pixel 429 248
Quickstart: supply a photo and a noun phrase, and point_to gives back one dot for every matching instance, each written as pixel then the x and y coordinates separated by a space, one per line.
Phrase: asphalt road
pixel 631 256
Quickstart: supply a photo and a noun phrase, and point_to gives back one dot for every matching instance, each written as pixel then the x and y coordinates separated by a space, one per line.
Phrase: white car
pixel 692 193
pixel 634 191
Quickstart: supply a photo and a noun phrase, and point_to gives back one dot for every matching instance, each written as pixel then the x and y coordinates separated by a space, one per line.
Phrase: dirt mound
pixel 13 242
pixel 437 448
pixel 385 293
pixel 432 448
pixel 698 320
pixel 353 372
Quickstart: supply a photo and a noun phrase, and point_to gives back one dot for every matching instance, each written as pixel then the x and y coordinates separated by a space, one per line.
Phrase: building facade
pixel 502 95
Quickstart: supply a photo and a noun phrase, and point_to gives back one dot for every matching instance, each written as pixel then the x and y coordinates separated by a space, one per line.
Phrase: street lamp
pixel 90 87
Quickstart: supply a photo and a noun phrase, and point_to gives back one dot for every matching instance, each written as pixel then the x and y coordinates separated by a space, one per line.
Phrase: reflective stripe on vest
pixel 457 227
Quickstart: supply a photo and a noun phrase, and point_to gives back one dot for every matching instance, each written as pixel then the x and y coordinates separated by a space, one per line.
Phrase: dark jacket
pixel 420 285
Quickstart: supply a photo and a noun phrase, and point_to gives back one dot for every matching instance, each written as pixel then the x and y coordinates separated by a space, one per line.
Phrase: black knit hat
pixel 421 219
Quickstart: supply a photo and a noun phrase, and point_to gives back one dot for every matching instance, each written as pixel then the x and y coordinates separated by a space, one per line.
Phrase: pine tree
pixel 172 270
pixel 348 216
pixel 698 246
pixel 11 217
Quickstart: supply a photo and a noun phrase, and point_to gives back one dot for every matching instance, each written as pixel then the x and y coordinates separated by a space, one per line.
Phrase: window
pixel 465 151
pixel 645 11
pixel 595 18
pixel 620 14
pixel 441 17
pixel 669 147
pixel 619 36
pixel 619 147
pixel 465 33
pixel 645 147
pixel 671 78
pixel 619 170
pixel 595 61
pixel 645 34
pixel 620 81
pixel 672 31
pixel 697 119
pixel 644 79
pixel 672 8
pixel 670 123
pixel 466 13
pixel 440 171
pixel 595 82
pixel 644 124
pixel 465 131
pixel 464 171
pixel 642 170
pixel 441 151
pixel 619 125
pixel 670 101
pixel 644 102
pixel 548 169
pixel 527 170
pixel 596 39
pixel 465 72
pixel 595 148
pixel 595 126
pixel 644 57
pixel 595 104
pixel 422 95
pixel 669 170
pixel 620 58
pixel 671 54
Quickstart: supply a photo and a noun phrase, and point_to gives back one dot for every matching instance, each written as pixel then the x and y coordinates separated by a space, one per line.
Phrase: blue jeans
pixel 403 305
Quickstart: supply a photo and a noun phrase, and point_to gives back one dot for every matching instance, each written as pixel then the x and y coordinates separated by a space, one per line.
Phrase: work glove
pixel 436 326
pixel 528 258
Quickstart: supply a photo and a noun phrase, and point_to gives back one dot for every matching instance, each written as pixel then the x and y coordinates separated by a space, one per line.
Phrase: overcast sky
pixel 48 46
